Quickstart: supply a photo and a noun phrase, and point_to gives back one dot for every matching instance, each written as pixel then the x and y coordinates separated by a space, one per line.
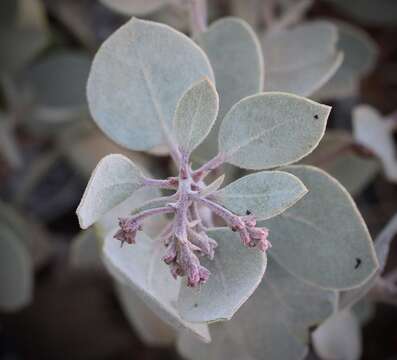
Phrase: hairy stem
pixel 209 166
pixel 231 219
pixel 169 183
pixel 151 212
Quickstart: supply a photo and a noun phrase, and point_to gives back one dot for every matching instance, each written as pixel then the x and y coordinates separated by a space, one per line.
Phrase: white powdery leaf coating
pixel 302 59
pixel 114 179
pixel 236 271
pixel 359 57
pixel 236 57
pixel 140 267
pixel 135 7
pixel 195 115
pixel 273 324
pixel 374 132
pixel 137 77
pixel 323 238
pixel 16 272
pixel 264 194
pixel 339 337
pixel 271 129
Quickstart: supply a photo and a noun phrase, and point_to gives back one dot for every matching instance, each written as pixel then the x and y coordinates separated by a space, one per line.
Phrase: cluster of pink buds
pixel 186 238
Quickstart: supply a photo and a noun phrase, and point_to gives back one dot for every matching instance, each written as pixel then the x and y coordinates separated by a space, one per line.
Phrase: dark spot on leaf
pixel 316 117
pixel 358 263
pixel 234 229
pixel 248 212
pixel 195 305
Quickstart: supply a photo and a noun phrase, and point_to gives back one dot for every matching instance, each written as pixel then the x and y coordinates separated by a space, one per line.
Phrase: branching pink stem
pixel 209 166
pixel 170 183
pixel 183 203
pixel 151 212
pixel 233 220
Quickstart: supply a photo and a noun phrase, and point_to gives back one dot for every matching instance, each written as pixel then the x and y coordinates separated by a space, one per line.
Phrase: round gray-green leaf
pixel 238 68
pixel 273 324
pixel 359 58
pixel 271 129
pixel 140 267
pixel 16 272
pixel 137 77
pixel 135 7
pixel 195 115
pixel 114 179
pixel 236 271
pixel 264 194
pixel 302 59
pixel 323 238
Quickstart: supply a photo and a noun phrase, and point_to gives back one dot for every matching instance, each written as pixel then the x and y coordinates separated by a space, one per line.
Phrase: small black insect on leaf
pixel 358 263
pixel 195 305
pixel 316 117
pixel 248 212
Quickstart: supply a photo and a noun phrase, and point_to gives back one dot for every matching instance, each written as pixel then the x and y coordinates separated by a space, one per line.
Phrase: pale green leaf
pixel 336 155
pixel 382 248
pixel 360 54
pixel 214 186
pixel 236 271
pixel 85 250
pixel 195 115
pixel 273 324
pixel 16 272
pixel 114 179
pixel 135 7
pixel 271 129
pixel 339 337
pixel 140 267
pixel 149 327
pixel 137 77
pixel 265 194
pixel 236 57
pixel 302 59
pixel 376 133
pixel 323 238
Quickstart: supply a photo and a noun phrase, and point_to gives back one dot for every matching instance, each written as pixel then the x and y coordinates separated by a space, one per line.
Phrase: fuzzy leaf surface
pixel 195 115
pixel 323 238
pixel 114 179
pixel 238 68
pixel 273 324
pixel 265 194
pixel 271 129
pixel 302 59
pixel 141 268
pixel 137 77
pixel 359 57
pixel 236 271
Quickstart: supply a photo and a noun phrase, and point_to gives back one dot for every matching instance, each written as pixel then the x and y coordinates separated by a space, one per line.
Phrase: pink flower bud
pixel 127 231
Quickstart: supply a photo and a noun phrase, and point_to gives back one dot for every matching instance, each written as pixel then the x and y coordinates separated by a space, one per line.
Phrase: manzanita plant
pixel 152 86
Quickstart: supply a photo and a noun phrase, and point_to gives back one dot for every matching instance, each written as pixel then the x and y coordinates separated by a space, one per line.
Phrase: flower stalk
pixel 186 238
